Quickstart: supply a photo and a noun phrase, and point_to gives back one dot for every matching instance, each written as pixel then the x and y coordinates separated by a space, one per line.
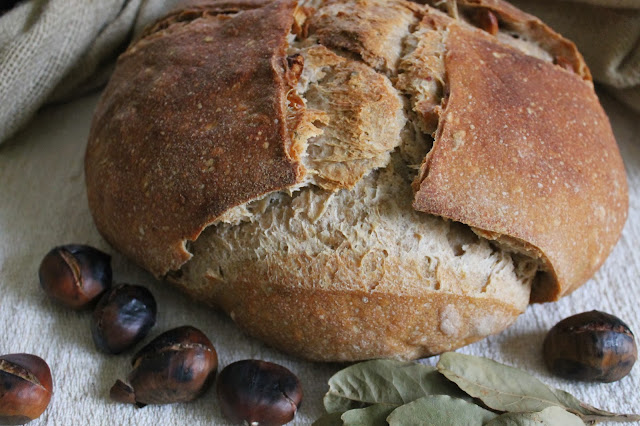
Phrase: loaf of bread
pixel 353 179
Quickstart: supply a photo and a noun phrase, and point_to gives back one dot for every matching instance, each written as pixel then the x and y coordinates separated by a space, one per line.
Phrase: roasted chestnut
pixel 258 393
pixel 75 275
pixel 591 346
pixel 177 366
pixel 123 317
pixel 25 388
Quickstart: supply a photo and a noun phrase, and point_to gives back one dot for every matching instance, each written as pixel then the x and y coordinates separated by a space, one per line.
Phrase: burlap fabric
pixel 51 50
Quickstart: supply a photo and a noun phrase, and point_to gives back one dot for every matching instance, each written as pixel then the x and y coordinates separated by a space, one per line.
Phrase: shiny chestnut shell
pixel 177 366
pixel 591 346
pixel 258 393
pixel 75 275
pixel 25 388
pixel 123 317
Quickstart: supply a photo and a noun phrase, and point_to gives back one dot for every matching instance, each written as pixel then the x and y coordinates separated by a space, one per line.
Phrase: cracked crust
pixel 380 281
pixel 150 189
pixel 523 31
pixel 546 168
pixel 313 166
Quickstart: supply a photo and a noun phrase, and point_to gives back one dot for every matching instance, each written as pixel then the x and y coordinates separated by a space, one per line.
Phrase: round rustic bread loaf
pixel 353 179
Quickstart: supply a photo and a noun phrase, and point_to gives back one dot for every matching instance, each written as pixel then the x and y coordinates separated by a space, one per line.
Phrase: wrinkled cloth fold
pixel 54 50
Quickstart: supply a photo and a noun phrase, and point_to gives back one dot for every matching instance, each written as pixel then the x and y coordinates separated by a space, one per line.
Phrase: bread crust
pixel 189 10
pixel 370 29
pixel 192 123
pixel 203 115
pixel 565 52
pixel 348 322
pixel 525 151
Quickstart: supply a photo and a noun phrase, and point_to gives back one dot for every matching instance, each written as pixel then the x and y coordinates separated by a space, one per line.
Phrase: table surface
pixel 43 204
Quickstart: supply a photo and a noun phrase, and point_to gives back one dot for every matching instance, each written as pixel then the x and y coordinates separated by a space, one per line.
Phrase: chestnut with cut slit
pixel 75 275
pixel 258 393
pixel 177 366
pixel 122 318
pixel 25 388
pixel 591 346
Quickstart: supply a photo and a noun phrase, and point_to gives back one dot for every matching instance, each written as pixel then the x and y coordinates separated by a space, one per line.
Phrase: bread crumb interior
pixel 366 126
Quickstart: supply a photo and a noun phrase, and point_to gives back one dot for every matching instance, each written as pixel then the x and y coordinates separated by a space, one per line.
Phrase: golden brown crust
pixel 190 10
pixel 524 150
pixel 203 136
pixel 510 17
pixel 349 322
pixel 337 326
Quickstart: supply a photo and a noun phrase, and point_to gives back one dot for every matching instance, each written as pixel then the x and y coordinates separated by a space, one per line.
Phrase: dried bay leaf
pixel 591 414
pixel 506 388
pixel 440 410
pixel 374 415
pixel 552 416
pixel 386 382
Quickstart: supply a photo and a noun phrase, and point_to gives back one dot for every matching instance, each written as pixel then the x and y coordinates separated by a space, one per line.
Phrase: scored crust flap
pixel 525 154
pixel 521 28
pixel 215 136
